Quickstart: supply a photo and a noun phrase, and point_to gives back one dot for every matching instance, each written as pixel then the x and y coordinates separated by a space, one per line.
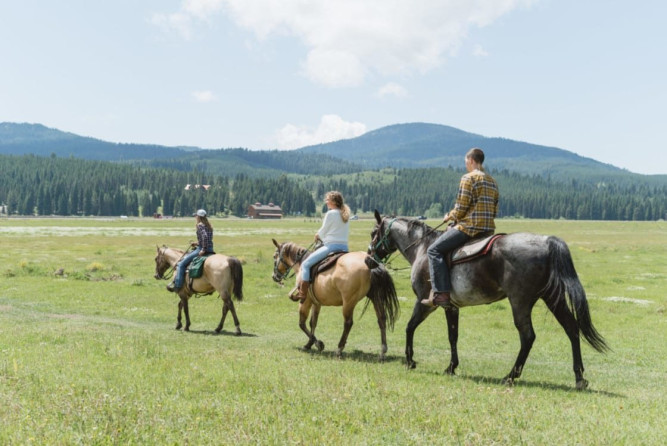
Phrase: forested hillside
pixel 433 192
pixel 31 185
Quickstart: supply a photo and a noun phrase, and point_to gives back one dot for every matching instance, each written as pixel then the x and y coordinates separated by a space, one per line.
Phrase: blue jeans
pixel 182 265
pixel 437 254
pixel 317 255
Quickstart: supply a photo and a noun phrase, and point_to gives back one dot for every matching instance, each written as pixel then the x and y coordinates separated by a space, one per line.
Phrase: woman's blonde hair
pixel 337 199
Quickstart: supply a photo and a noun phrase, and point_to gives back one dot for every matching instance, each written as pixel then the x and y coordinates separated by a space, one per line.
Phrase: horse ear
pixel 378 217
pixel 276 243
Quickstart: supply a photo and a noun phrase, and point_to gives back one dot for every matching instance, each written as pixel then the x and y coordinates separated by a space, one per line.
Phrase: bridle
pixel 383 243
pixel 279 259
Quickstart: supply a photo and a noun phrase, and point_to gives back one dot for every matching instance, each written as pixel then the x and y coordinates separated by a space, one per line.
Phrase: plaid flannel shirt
pixel 205 238
pixel 476 203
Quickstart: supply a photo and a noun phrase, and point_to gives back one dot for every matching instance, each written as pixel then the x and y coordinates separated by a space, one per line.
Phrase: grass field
pixel 91 356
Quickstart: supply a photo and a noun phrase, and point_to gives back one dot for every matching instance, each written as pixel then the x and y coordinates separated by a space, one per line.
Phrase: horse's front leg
pixel 186 310
pixel 179 325
pixel 419 314
pixel 304 310
pixel 453 333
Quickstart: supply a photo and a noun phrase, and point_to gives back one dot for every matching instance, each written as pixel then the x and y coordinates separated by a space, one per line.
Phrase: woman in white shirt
pixel 333 234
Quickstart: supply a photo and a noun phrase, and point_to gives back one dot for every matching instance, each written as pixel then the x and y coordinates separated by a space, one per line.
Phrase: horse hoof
pixel 582 384
pixel 411 365
pixel 218 330
pixel 339 354
pixel 450 371
pixel 238 332
pixel 306 347
pixel 320 346
pixel 509 382
pixel 382 357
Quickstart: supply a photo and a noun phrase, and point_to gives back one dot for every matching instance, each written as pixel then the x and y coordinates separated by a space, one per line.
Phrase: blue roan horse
pixel 522 267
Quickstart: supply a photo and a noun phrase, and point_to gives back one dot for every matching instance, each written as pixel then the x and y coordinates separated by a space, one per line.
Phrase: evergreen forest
pixel 33 185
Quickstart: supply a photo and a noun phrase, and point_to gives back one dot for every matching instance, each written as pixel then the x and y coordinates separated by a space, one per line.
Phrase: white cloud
pixel 349 40
pixel 331 128
pixel 392 89
pixel 186 18
pixel 479 51
pixel 203 96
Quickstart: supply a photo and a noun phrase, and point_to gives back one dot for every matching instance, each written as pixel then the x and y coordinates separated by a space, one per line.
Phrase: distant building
pixel 259 210
pixel 197 186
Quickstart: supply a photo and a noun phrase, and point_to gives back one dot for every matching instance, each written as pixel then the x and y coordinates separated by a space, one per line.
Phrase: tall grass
pixel 89 354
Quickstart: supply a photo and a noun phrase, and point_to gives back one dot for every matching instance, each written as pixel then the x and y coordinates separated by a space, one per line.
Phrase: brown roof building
pixel 259 210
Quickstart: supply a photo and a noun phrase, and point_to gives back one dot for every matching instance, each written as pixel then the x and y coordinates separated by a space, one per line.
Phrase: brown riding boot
pixel 303 290
pixel 437 298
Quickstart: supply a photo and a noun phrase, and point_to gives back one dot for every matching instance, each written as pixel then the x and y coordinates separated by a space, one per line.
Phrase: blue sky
pixel 587 76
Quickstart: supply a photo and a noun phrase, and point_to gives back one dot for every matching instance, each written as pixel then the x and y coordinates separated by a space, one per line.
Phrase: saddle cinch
pixel 474 248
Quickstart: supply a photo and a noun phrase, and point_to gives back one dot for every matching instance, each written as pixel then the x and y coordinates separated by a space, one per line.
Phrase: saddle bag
pixel 196 267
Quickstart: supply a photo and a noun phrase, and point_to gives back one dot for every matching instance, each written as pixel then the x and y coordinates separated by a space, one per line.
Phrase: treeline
pixel 432 192
pixel 255 164
pixel 31 185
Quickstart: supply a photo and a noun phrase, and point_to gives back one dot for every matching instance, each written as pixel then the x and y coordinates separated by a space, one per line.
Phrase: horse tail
pixel 382 291
pixel 563 279
pixel 237 277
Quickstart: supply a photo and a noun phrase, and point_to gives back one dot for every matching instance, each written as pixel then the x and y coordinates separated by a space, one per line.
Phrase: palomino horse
pixel 221 273
pixel 522 267
pixel 354 276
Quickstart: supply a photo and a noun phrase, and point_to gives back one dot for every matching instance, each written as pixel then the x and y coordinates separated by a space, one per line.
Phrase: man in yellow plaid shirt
pixel 473 214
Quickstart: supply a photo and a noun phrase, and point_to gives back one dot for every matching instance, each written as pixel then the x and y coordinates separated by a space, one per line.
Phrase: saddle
pixel 326 263
pixel 477 247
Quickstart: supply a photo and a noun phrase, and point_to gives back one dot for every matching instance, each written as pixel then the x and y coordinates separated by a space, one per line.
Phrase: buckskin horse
pixel 222 273
pixel 521 267
pixel 354 276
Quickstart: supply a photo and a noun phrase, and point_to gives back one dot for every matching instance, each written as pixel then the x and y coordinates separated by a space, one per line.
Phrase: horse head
pixel 161 263
pixel 280 266
pixel 286 256
pixel 382 245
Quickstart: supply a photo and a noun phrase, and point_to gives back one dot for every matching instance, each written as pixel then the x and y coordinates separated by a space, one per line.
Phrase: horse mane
pixel 428 233
pixel 293 251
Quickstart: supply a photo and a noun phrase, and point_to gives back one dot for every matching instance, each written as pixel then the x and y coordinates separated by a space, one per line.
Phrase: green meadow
pixel 89 353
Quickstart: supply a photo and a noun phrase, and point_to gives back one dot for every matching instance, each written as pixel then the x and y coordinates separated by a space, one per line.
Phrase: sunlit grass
pixel 91 357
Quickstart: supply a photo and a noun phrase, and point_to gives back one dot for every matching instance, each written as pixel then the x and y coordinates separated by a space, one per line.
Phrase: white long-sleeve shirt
pixel 334 230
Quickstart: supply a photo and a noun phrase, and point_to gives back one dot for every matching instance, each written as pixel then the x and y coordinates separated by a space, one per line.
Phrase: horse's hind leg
pixel 453 334
pixel 524 324
pixel 382 323
pixel 566 319
pixel 228 305
pixel 348 314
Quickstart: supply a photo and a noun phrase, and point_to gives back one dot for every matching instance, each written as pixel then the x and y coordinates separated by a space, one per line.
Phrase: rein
pixel 384 243
pixel 169 273
pixel 282 276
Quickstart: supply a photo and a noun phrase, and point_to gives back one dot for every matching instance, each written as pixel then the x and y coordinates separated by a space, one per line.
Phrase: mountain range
pixel 410 145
